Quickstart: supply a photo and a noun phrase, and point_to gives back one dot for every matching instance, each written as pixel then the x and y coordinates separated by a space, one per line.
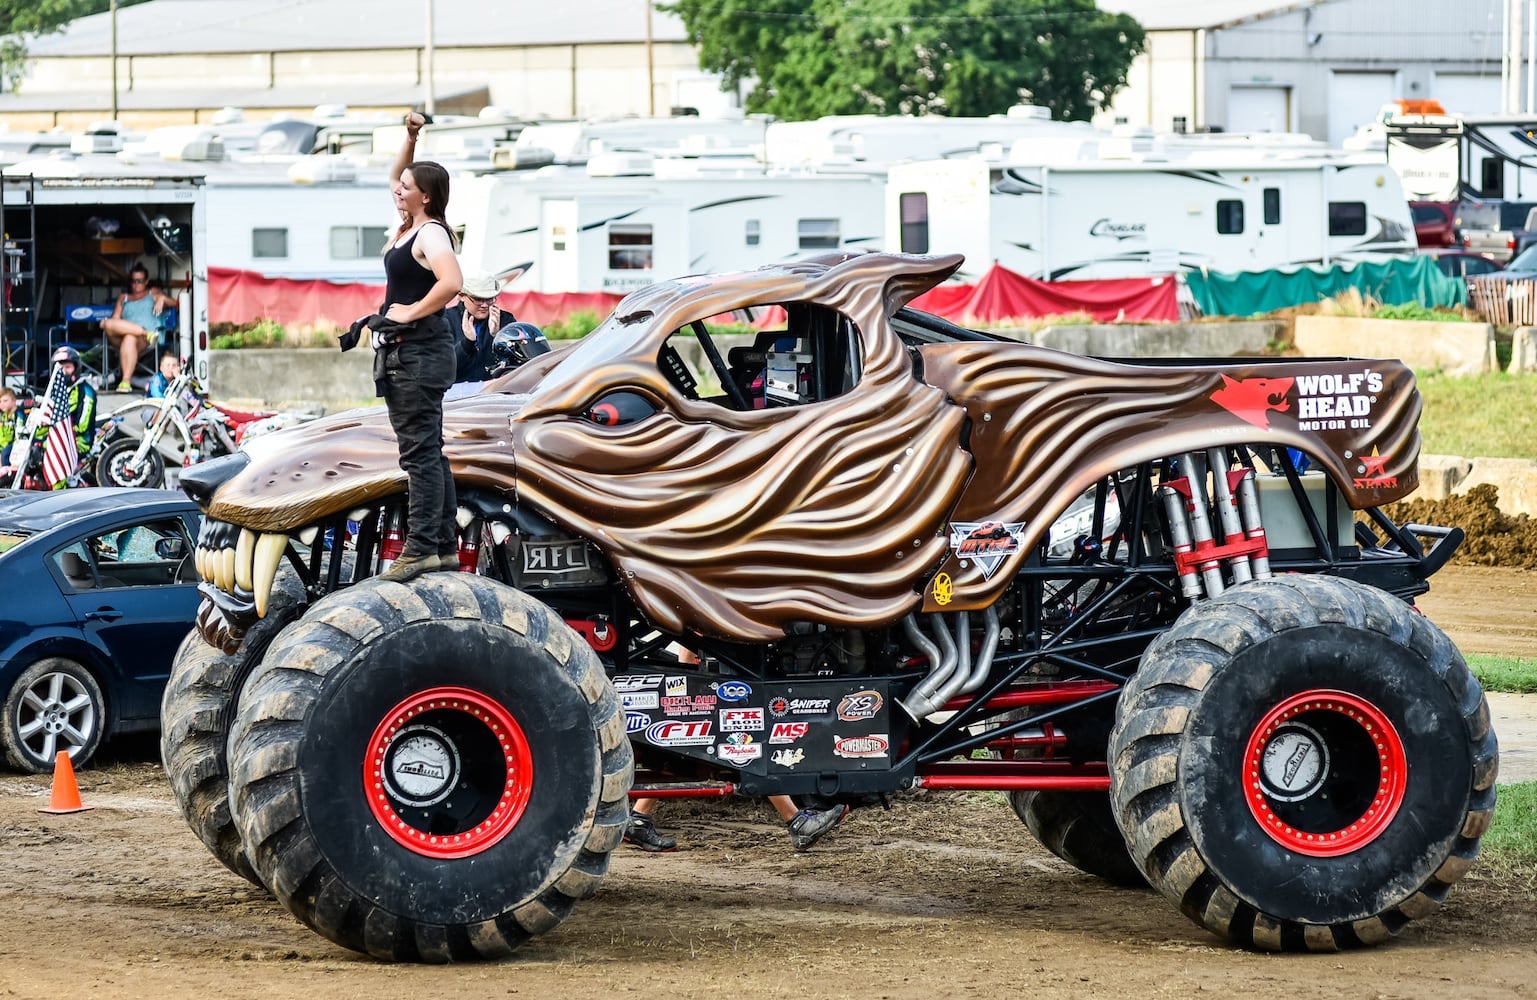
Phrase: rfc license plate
pixel 556 562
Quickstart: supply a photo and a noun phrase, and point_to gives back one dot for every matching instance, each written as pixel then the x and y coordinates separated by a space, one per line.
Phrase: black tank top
pixel 405 279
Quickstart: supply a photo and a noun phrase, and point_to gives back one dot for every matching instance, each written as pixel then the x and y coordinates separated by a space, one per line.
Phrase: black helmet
pixel 515 343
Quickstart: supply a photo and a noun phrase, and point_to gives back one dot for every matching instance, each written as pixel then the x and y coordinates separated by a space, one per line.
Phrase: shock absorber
pixel 1253 526
pixel 1179 533
pixel 394 540
pixel 469 546
pixel 1222 482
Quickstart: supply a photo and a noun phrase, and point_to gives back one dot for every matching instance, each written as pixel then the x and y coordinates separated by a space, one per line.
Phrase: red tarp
pixel 1003 295
pixel 244 297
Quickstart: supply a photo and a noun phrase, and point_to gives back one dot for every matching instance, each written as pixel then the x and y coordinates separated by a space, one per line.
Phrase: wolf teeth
pixel 269 552
pixel 244 550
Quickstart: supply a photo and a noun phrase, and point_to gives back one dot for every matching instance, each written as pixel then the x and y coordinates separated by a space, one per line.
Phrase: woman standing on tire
pixel 414 355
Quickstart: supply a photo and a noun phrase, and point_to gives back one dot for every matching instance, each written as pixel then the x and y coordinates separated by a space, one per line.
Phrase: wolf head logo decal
pixel 1252 399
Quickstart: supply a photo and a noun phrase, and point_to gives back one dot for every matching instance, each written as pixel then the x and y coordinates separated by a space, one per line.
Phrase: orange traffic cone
pixel 66 794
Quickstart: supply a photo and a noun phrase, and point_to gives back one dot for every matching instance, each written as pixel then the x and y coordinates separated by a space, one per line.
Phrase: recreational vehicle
pixel 1114 219
pixel 74 227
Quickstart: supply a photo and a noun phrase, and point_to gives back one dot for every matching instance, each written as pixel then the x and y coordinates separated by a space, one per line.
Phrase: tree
pixel 22 20
pixel 808 58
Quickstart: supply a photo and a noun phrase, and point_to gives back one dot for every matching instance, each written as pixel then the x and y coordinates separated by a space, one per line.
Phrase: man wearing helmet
pixel 81 399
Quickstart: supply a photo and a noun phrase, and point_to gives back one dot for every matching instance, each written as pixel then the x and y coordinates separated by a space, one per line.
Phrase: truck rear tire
pixel 1079 828
pixel 196 709
pixel 1303 764
pixel 432 771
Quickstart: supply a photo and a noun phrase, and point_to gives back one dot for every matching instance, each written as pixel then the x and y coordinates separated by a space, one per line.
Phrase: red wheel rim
pixel 417 762
pixel 1324 773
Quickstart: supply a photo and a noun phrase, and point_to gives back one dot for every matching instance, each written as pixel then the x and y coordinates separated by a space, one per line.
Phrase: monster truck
pixel 1155 602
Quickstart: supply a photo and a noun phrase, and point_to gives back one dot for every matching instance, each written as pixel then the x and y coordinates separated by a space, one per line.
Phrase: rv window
pixel 915 223
pixel 1272 206
pixel 1492 173
pixel 753 230
pixel 819 234
pixel 1229 216
pixel 269 243
pixel 357 242
pixel 629 247
pixel 1347 218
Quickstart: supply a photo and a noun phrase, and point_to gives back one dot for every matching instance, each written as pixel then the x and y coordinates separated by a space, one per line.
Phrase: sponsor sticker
pixel 677 733
pixel 737 720
pixel 781 707
pixel 739 748
pixel 1252 399
pixel 637 682
pixel 859 706
pixel 788 732
pixel 1371 472
pixel 634 722
pixel 639 699
pixel 944 589
pixel 699 704
pixel 874 745
pixel 734 691
pixel 986 543
pixel 676 686
pixel 788 758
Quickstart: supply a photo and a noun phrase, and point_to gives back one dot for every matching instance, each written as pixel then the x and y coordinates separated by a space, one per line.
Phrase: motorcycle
pixel 137 441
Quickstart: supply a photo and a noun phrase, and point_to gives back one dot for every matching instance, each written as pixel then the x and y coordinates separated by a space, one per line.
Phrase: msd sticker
pixel 788 732
pixel 986 543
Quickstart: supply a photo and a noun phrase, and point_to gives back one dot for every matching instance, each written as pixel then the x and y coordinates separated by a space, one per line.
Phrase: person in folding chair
pixel 136 322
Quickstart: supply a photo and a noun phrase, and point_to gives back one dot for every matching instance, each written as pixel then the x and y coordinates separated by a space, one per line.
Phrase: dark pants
pixel 416 374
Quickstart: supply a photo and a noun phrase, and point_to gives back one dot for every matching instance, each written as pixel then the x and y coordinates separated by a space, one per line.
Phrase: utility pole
pixel 430 104
pixel 114 59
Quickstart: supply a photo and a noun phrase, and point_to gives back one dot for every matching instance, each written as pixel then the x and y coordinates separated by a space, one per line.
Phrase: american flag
pixel 60 453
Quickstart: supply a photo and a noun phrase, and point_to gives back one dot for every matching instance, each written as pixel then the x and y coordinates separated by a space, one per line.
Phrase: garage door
pixel 1259 109
pixel 1355 99
pixel 1467 93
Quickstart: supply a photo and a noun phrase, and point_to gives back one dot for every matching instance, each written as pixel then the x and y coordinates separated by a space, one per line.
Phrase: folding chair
pixel 82 330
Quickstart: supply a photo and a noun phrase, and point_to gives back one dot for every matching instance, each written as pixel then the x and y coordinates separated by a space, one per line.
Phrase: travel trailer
pixel 627 220
pixel 1107 218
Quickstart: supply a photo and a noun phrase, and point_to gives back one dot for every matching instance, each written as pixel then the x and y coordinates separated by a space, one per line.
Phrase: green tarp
pixel 1392 282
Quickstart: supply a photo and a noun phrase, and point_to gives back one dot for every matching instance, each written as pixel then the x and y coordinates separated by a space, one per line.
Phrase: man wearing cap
pixel 475 318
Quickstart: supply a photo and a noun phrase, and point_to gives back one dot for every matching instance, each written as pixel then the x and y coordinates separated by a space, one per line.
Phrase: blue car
pixel 100 589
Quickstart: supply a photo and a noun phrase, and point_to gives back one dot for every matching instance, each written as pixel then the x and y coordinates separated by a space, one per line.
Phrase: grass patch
pixel 1479 416
pixel 1504 673
pixel 1510 846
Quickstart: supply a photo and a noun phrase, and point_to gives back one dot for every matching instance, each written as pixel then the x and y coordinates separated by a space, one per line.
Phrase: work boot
pixel 808 826
pixel 410 565
pixel 642 833
pixel 448 562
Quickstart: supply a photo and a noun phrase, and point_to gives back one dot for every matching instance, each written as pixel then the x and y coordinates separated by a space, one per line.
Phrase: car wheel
pixel 54 705
pixel 430 772
pixel 1303 764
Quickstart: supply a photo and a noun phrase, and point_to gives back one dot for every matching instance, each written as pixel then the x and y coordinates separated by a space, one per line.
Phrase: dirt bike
pixel 900 554
pixel 136 441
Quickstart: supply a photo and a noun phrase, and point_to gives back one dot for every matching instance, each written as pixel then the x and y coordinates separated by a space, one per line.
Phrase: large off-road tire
pixel 432 771
pixel 55 704
pixel 115 466
pixel 1079 828
pixel 195 714
pixel 1303 764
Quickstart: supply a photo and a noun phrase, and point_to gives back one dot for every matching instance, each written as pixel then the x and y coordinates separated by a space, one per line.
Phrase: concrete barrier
pixel 1523 350
pixel 1515 478
pixel 1159 340
pixel 1452 348
pixel 293 377
pixel 1440 476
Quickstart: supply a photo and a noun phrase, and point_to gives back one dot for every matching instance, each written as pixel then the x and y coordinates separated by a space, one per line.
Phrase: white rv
pixel 579 230
pixel 1104 218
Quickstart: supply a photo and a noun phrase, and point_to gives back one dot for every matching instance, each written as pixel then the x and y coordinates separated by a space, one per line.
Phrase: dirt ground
pixel 944 895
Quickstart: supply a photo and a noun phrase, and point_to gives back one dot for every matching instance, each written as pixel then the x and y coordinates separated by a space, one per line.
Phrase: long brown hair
pixel 431 180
